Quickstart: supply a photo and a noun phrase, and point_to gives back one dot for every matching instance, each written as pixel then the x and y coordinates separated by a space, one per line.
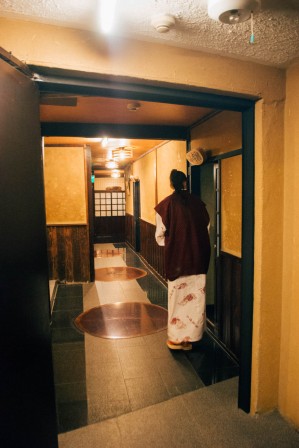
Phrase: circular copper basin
pixel 118 274
pixel 122 320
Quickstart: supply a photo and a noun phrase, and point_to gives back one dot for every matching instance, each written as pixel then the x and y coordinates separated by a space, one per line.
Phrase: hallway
pixel 111 390
pixel 98 378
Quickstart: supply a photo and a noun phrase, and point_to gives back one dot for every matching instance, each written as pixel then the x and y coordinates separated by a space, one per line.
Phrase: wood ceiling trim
pixel 81 83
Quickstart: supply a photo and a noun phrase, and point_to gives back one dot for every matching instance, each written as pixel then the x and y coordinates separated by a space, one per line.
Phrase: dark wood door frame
pixel 56 80
pixel 246 322
pixel 28 414
pixel 90 205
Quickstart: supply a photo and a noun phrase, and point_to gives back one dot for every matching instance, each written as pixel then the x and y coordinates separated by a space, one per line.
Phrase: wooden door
pixel 109 219
pixel 26 386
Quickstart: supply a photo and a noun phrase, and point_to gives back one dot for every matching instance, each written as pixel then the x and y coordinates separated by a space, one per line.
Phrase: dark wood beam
pixel 92 84
pixel 115 130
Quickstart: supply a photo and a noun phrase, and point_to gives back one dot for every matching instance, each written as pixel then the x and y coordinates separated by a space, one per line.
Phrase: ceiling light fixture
pixel 95 139
pixel 122 153
pixel 232 11
pixel 105 142
pixel 132 107
pixel 234 16
pixel 111 164
pixel 115 174
pixel 163 22
pixel 106 15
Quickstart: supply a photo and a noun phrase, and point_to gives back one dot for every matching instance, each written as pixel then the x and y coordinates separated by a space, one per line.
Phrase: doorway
pixel 221 189
pixel 171 95
pixel 109 216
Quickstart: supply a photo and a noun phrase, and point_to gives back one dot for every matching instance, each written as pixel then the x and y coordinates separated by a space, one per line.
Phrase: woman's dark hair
pixel 177 179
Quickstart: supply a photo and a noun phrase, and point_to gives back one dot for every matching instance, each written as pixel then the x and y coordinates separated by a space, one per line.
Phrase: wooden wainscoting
pixel 229 302
pixel 149 250
pixel 109 229
pixel 68 253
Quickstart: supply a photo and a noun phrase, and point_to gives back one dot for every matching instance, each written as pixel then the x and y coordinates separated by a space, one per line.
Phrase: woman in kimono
pixel 182 227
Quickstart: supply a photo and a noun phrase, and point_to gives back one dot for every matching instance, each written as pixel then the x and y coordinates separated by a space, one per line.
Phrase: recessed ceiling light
pixel 132 107
pixel 106 15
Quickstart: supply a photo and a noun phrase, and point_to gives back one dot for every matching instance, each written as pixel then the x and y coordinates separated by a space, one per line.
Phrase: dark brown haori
pixel 187 243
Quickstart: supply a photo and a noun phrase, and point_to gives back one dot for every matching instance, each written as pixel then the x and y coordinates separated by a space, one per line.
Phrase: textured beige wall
pixel 171 155
pixel 66 48
pixel 289 361
pixel 129 189
pixel 220 134
pixel 153 172
pixel 269 160
pixel 145 170
pixel 231 205
pixel 129 199
pixel 54 46
pixel 65 185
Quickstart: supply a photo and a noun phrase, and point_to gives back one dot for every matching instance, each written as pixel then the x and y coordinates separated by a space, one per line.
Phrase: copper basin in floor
pixel 122 320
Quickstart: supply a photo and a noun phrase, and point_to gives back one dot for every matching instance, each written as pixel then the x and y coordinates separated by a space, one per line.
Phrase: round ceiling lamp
pixel 133 107
pixel 163 22
pixel 111 164
pixel 122 153
pixel 232 11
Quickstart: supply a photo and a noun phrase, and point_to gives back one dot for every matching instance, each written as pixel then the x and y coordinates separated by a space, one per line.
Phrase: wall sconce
pixel 134 178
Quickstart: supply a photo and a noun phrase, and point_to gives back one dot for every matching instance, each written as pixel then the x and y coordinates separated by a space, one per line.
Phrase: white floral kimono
pixel 186 301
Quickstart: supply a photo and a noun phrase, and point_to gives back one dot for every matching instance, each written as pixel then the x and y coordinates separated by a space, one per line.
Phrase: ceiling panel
pixel 114 110
pixel 84 109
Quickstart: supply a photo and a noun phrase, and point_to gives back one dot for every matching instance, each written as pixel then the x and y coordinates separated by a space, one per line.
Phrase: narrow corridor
pixel 135 393
pixel 97 379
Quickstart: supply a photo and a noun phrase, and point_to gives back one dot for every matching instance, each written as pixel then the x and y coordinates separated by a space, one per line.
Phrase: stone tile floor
pixel 97 379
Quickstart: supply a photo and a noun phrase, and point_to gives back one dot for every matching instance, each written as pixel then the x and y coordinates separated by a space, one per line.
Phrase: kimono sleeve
pixel 160 231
